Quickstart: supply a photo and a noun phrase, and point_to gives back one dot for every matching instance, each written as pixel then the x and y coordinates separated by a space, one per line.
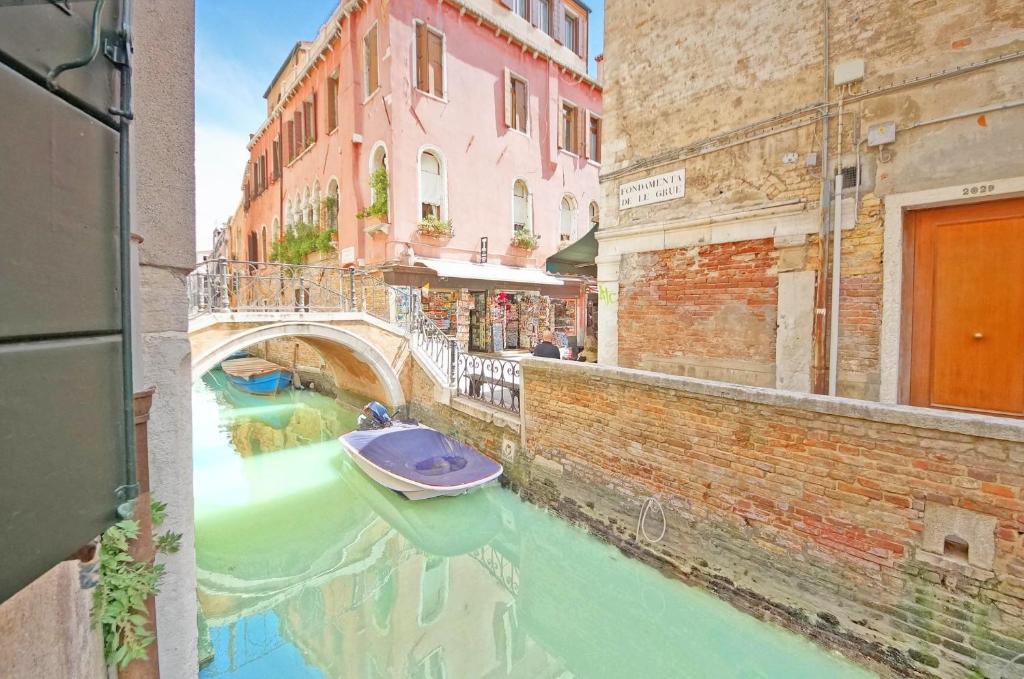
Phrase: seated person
pixel 546 348
pixel 375 416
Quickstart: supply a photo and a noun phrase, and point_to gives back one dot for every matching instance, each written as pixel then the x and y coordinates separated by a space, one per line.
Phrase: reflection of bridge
pixel 366 330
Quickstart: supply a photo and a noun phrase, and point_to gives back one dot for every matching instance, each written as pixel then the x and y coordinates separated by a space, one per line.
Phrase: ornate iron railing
pixel 498 565
pixel 496 381
pixel 229 285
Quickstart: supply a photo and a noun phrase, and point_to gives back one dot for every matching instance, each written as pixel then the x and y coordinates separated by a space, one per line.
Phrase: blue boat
pixel 419 462
pixel 256 376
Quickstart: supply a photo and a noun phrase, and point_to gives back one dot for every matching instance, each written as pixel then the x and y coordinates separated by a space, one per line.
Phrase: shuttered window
pixel 569 129
pixel 594 138
pixel 370 66
pixel 544 15
pixel 332 103
pixel 516 102
pixel 572 25
pixel 522 8
pixel 309 122
pixel 290 139
pixel 276 158
pixel 520 206
pixel 429 60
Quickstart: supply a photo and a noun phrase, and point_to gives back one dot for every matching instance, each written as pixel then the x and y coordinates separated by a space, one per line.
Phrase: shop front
pixel 495 309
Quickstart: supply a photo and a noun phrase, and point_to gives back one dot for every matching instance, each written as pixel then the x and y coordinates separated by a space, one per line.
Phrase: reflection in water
pixel 308 569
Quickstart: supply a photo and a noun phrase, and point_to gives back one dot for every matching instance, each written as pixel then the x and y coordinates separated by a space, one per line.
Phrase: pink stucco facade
pixel 481 156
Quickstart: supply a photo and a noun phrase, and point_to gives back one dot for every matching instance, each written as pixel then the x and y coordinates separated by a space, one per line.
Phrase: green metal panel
pixel 36 35
pixel 61 451
pixel 58 189
pixel 66 432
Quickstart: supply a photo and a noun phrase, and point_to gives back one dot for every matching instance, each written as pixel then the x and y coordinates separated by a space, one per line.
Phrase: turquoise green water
pixel 308 569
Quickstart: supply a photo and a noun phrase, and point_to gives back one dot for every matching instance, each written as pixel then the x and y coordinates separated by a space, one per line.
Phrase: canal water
pixel 306 568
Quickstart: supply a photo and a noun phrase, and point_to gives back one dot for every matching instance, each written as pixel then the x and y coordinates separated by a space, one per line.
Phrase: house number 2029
pixel 978 189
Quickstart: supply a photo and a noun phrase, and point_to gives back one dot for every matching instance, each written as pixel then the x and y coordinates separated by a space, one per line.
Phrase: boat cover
pixel 247 368
pixel 422 455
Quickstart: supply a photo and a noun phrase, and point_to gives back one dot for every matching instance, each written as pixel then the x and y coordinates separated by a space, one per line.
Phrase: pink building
pixel 482 117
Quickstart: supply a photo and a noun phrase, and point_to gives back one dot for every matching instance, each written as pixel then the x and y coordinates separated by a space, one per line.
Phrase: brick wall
pixel 810 511
pixel 706 311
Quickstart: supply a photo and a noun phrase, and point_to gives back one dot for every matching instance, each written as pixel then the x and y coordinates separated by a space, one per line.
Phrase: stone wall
pixel 840 519
pixel 744 120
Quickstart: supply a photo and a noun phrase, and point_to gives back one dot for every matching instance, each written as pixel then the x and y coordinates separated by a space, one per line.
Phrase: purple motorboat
pixel 418 461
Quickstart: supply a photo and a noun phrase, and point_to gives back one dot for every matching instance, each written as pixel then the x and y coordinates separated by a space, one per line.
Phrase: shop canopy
pixel 577 259
pixel 498 273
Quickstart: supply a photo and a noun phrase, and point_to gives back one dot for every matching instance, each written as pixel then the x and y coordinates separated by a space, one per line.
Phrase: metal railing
pixel 219 286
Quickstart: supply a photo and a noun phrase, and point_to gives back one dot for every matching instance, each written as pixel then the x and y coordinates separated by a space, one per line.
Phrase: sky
pixel 240 44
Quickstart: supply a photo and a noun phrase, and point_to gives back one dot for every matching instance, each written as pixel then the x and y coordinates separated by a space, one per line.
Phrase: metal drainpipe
pixel 131 488
pixel 818 385
pixel 837 244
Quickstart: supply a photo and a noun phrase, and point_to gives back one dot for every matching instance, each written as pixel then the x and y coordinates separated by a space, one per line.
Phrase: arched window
pixel 378 161
pixel 595 217
pixel 431 185
pixel 316 204
pixel 567 230
pixel 288 213
pixel 520 206
pixel 307 208
pixel 332 204
pixel 263 244
pixel 433 589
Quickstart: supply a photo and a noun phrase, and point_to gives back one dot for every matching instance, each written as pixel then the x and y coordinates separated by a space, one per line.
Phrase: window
pixel 572 24
pixel 289 138
pixel 288 213
pixel 595 217
pixel 429 60
pixel 332 103
pixel 516 102
pixel 315 204
pixel 431 185
pixel 522 8
pixel 568 131
pixel 263 243
pixel 544 15
pixel 275 231
pixel 276 157
pixel 433 589
pixel 567 228
pixel 594 138
pixel 332 204
pixel 307 209
pixel 520 206
pixel 370 65
pixel 309 120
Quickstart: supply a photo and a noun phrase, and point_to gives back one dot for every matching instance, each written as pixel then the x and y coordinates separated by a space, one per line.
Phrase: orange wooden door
pixel 967 323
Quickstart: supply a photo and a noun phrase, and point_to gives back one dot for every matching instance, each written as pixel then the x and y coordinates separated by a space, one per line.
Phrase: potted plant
pixel 435 227
pixel 377 212
pixel 525 240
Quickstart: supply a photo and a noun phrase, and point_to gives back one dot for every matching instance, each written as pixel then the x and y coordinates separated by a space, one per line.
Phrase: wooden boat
pixel 418 461
pixel 256 376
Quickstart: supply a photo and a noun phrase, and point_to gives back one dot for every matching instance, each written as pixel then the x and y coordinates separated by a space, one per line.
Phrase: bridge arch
pixel 320 336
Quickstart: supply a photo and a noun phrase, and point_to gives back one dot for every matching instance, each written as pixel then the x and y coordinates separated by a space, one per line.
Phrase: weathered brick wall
pixel 705 311
pixel 806 510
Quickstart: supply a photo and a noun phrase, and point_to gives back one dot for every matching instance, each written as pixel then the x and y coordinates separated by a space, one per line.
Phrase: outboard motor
pixel 375 416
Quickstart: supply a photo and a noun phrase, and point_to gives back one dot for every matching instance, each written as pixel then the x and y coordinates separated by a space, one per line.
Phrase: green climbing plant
pixel 301 241
pixel 379 190
pixel 119 602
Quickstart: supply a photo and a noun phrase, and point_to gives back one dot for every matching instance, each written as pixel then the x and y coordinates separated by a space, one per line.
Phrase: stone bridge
pixel 368 356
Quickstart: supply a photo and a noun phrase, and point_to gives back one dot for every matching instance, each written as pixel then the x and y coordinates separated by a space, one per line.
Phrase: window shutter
pixel 435 74
pixel 581 131
pixel 313 119
pixel 561 127
pixel 587 152
pixel 421 57
pixel 558 21
pixel 508 98
pixel 535 12
pixel 521 104
pixel 371 55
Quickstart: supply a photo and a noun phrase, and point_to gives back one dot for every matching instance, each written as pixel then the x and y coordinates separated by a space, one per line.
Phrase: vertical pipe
pixel 131 489
pixel 833 333
pixel 820 355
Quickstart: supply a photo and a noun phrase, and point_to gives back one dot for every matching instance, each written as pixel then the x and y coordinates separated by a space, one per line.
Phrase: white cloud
pixel 220 162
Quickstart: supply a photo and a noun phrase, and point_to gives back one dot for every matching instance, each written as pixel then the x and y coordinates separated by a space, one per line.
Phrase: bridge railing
pixel 240 286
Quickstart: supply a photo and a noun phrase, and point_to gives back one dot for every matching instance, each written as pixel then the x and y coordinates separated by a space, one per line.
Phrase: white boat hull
pixel 411 489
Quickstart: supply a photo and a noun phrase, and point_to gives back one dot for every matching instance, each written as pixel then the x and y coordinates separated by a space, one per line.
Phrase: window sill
pixel 518 131
pixel 304 152
pixel 595 163
pixel 332 130
pixel 569 153
pixel 371 95
pixel 443 100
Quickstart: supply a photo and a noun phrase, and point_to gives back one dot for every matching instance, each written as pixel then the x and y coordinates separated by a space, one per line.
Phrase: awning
pixel 499 273
pixel 577 259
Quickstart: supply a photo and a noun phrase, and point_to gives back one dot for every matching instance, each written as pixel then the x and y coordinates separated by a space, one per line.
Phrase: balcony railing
pixel 219 286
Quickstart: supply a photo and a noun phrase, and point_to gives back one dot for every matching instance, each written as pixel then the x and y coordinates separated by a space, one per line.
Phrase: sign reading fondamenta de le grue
pixel 656 189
